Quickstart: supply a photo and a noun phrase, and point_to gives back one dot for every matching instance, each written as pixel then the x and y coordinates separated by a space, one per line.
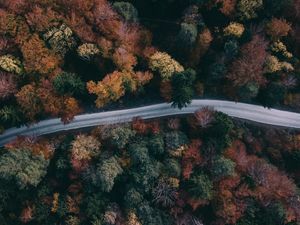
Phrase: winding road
pixel 238 110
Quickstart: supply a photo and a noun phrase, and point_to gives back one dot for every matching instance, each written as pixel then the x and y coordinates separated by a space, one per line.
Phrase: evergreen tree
pixel 222 167
pixel 182 88
pixel 68 84
pixel 108 170
pixel 21 166
pixel 200 187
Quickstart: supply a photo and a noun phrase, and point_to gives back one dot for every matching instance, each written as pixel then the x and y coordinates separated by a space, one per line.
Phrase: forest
pixel 60 58
pixel 200 169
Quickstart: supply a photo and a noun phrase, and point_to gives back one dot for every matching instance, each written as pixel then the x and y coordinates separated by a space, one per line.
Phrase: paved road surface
pixel 239 110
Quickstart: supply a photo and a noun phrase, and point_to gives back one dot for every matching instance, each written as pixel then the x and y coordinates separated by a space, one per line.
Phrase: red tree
pixel 191 158
pixel 204 117
pixel 7 85
pixel 250 66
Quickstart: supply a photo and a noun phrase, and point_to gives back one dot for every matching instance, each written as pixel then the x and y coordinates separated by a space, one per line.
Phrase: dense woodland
pixel 59 58
pixel 204 169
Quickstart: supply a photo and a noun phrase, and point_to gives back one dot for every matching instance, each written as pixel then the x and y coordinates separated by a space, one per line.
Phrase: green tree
pixel 108 170
pixel 247 9
pixel 127 11
pixel 133 198
pixel 146 175
pixel 156 145
pixel 222 167
pixel 200 187
pixel 21 166
pixel 219 133
pixel 248 91
pixel 172 167
pixel 174 140
pixel 68 83
pixel 216 72
pixel 152 216
pixel 182 88
pixel 231 48
pixel 138 153
pixel 94 205
pixel 187 35
pixel 121 136
pixel 10 116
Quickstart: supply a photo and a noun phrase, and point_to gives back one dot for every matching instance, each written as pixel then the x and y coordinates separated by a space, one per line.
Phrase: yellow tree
pixel 109 89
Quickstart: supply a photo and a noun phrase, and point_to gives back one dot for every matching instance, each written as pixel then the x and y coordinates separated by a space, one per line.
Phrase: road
pixel 238 110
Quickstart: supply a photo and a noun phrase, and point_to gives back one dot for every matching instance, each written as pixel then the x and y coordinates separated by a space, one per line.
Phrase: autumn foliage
pixel 249 67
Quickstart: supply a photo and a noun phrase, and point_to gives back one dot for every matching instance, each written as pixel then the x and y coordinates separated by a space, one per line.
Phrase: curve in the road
pixel 239 110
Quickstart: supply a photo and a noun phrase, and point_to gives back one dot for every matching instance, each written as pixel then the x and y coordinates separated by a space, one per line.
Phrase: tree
pixel 70 110
pixel 172 167
pixel 187 35
pixel 216 73
pixel 7 85
pixel 165 90
pixel 108 171
pixel 250 66
pixel 121 136
pixel 85 147
pixel 230 203
pixel 68 84
pixel 27 214
pixel 228 7
pixel 164 64
pixel 247 9
pixel 139 154
pixel 11 64
pixel 132 219
pixel 219 133
pixel 165 194
pixel 151 216
pixel 37 58
pixel 109 89
pixel 231 49
pixel 156 145
pixel 145 175
pixel 41 19
pixel 278 28
pixel 29 101
pixel 133 198
pixel 87 51
pixel 191 158
pixel 10 116
pixel 127 11
pixel 21 166
pixel 175 140
pixel 123 59
pixel 200 187
pixel 61 39
pixel 204 117
pixel 234 30
pixel 182 88
pixel 201 46
pixel 248 91
pixel 222 167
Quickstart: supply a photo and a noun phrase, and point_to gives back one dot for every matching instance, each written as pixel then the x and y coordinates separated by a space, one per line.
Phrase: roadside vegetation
pixel 201 169
pixel 61 58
